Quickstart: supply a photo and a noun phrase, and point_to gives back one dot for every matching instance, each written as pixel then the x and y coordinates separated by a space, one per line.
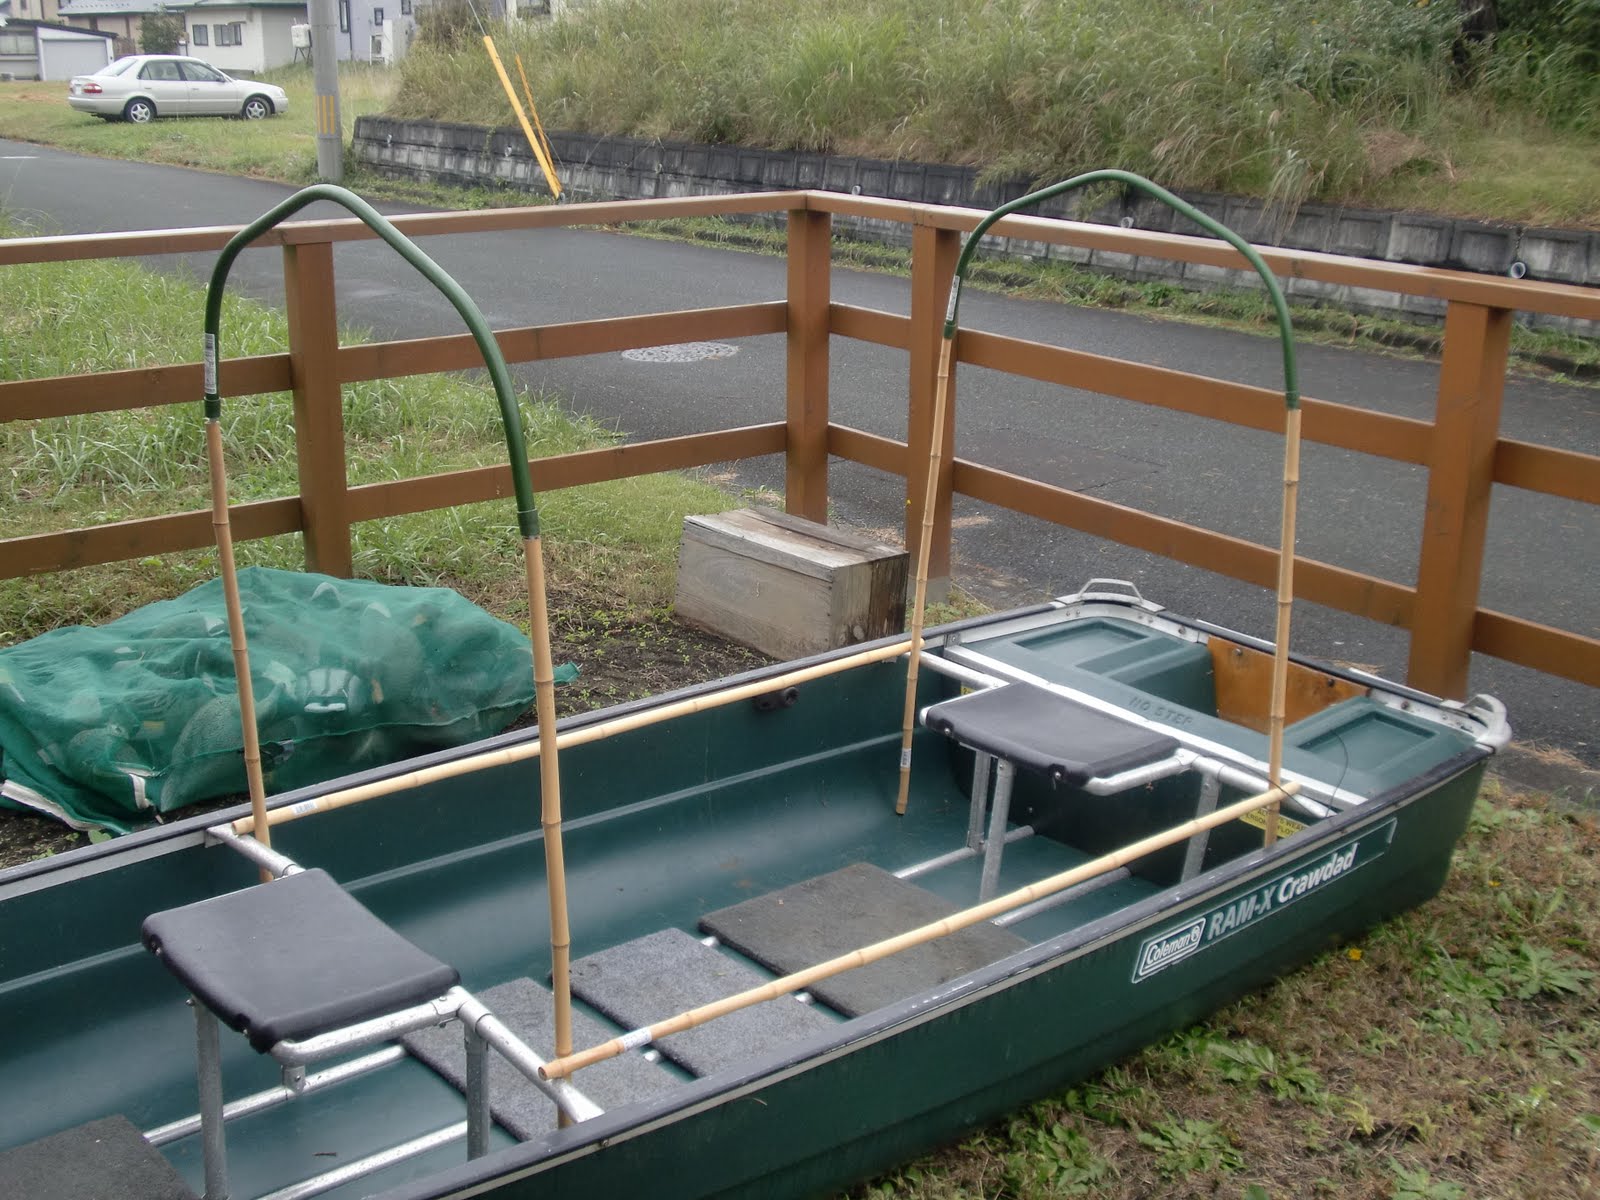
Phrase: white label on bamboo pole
pixel 905 759
pixel 211 364
pixel 635 1039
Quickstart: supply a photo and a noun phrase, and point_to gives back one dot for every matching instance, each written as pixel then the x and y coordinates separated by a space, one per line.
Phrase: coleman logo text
pixel 1178 942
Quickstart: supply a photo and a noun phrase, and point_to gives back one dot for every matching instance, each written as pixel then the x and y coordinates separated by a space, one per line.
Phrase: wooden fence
pixel 1461 448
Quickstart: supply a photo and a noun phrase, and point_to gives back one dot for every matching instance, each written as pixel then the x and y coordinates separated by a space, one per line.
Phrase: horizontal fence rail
pixel 1461 449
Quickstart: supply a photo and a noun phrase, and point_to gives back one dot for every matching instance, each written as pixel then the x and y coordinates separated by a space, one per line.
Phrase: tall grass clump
pixel 1279 97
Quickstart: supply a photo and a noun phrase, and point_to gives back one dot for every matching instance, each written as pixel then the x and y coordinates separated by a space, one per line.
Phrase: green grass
pixel 283 147
pixel 1454 1052
pixel 614 540
pixel 1340 100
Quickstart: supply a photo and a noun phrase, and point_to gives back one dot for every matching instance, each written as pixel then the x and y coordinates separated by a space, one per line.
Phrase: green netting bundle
pixel 109 726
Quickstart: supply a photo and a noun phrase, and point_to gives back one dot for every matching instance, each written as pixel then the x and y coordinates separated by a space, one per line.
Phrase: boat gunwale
pixel 559 1147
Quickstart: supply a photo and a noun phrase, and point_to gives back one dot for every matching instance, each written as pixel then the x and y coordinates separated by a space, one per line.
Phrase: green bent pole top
pixel 1291 381
pixel 527 511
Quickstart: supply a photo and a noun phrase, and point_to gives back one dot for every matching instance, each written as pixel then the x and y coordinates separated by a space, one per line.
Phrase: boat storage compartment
pixel 1148 659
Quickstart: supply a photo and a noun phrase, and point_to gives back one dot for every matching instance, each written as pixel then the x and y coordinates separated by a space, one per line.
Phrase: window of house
pixel 16 43
pixel 377 16
pixel 405 8
pixel 231 34
pixel 344 16
pixel 200 35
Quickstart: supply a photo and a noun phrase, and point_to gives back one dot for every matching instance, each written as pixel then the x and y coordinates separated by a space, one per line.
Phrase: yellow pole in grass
pixel 533 111
pixel 527 131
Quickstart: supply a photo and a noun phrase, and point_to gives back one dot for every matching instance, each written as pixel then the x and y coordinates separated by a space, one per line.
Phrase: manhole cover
pixel 681 352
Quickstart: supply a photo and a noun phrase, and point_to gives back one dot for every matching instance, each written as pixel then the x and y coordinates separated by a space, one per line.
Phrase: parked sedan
pixel 142 87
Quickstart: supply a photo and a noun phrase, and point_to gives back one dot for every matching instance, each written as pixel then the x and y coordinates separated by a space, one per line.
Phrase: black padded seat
pixel 1050 734
pixel 293 958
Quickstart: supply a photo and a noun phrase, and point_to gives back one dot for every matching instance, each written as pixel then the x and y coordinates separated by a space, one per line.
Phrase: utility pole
pixel 325 76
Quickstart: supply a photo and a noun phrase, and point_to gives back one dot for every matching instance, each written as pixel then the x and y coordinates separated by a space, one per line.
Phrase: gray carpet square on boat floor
pixel 106 1159
pixel 528 1010
pixel 822 918
pixel 665 973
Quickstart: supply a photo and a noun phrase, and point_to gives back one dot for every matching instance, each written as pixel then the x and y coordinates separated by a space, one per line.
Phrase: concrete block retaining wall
pixel 609 168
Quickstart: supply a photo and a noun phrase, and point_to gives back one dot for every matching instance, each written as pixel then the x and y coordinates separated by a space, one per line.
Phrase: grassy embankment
pixel 1351 101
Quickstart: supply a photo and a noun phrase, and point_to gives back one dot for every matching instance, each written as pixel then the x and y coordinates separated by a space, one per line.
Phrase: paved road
pixel 1356 512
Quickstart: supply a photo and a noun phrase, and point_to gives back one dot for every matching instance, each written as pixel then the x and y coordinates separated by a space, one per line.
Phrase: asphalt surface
pixel 1355 511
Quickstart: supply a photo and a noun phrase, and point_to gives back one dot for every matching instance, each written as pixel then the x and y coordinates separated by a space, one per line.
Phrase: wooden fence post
pixel 1460 478
pixel 318 406
pixel 806 410
pixel 933 265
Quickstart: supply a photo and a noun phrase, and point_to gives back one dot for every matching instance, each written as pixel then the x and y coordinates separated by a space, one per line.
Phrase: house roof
pixel 15 23
pixel 102 8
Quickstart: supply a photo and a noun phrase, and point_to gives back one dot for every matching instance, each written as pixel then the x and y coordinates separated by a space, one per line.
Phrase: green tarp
pixel 109 726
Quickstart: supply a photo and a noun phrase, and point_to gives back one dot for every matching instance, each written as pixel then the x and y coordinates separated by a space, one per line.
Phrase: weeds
pixel 1287 99
pixel 1188 1146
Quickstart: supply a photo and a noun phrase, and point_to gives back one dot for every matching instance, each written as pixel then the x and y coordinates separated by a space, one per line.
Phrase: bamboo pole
pixel 555 871
pixel 522 485
pixel 1291 397
pixel 1280 650
pixel 241 652
pixel 508 755
pixel 533 111
pixel 527 131
pixel 563 1066
pixel 941 397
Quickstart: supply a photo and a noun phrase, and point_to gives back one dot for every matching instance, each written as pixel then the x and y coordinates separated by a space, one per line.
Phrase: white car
pixel 142 87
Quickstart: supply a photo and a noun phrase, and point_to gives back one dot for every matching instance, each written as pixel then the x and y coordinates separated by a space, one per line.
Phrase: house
pixel 250 36
pixel 45 50
pixel 122 18
pixel 241 37
pixel 29 10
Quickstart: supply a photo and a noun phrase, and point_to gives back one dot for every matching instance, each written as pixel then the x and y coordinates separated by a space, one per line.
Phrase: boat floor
pixel 483 910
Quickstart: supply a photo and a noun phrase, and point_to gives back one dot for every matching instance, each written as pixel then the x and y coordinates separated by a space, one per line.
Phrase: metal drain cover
pixel 681 352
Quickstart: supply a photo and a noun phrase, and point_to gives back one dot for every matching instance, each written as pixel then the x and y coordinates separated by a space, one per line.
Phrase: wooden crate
pixel 786 586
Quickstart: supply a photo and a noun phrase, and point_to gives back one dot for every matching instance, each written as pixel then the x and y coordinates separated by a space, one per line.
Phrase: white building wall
pixel 243 58
pixel 276 49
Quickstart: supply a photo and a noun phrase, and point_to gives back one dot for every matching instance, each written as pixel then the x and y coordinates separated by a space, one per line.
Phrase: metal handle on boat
pixel 1119 589
pixel 1291 398
pixel 1291 384
pixel 527 521
pixel 527 510
pixel 1492 713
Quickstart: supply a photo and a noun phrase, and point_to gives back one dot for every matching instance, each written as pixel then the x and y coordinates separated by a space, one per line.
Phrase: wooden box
pixel 786 586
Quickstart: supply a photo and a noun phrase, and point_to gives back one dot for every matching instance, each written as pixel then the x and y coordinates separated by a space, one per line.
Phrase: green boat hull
pixel 674 820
